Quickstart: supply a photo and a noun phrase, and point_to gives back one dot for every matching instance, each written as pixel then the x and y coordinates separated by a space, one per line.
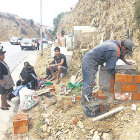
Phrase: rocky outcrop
pixel 112 19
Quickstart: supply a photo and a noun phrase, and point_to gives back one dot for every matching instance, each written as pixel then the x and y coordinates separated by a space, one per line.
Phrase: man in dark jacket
pixel 109 52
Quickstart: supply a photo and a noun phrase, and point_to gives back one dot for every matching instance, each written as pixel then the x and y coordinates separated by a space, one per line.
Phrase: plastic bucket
pixel 92 108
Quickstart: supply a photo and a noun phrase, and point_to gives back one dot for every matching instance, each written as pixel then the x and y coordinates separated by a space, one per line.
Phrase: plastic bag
pixel 27 99
pixel 29 102
pixel 71 86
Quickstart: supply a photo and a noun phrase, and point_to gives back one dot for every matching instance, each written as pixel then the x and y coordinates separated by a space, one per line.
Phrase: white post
pixel 41 27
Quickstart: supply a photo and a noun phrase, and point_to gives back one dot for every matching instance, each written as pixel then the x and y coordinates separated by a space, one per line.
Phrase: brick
pixel 123 96
pixel 20 130
pixel 136 96
pixel 112 82
pixel 94 94
pixel 137 79
pixel 78 98
pixel 19 116
pixel 112 89
pixel 53 88
pixel 101 108
pixel 75 120
pixel 101 95
pixel 123 78
pixel 20 121
pixel 128 88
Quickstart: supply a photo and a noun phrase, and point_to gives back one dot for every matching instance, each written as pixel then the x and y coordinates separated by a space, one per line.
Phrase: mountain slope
pixel 12 25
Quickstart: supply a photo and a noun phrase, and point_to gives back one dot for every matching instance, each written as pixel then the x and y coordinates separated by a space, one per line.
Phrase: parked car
pixel 15 40
pixel 28 43
pixel 45 40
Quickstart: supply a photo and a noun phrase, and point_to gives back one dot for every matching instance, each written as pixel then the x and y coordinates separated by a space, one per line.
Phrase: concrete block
pixel 104 77
pixel 69 43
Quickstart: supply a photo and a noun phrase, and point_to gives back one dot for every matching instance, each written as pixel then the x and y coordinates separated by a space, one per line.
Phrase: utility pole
pixel 41 44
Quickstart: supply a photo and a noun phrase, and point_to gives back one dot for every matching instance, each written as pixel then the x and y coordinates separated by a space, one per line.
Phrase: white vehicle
pixel 15 40
pixel 28 43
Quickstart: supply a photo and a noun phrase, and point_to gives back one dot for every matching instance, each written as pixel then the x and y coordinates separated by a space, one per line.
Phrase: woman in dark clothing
pixel 28 75
pixel 27 79
pixel 6 81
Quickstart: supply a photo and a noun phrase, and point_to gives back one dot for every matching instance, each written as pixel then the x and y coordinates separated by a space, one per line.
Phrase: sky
pixel 30 9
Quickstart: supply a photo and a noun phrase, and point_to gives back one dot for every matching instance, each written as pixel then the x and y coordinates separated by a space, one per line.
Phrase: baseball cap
pixel 129 44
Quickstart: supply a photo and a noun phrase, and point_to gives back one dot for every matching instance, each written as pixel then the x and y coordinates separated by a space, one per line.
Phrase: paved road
pixel 14 57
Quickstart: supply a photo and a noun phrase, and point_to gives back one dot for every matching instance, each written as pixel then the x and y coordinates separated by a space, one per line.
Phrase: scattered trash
pixel 73 98
pixel 134 107
pixel 62 75
pixel 71 86
pixel 63 90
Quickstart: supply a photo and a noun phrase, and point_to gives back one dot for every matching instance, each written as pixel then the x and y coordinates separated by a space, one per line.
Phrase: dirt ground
pixel 66 120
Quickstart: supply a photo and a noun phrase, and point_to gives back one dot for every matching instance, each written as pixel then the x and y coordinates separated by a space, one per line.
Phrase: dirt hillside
pixel 12 25
pixel 112 19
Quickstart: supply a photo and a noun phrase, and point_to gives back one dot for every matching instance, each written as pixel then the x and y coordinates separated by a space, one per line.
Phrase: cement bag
pixel 25 91
pixel 27 99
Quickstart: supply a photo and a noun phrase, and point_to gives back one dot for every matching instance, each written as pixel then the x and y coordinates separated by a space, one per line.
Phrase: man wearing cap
pixel 6 81
pixel 107 52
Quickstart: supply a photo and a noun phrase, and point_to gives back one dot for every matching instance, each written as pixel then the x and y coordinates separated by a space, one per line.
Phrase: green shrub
pixel 56 22
pixel 137 12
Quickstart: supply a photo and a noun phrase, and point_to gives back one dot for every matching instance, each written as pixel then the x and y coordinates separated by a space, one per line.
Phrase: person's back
pixel 103 51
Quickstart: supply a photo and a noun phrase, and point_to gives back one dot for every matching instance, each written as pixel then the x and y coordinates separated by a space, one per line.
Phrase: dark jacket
pixel 29 75
pixel 3 71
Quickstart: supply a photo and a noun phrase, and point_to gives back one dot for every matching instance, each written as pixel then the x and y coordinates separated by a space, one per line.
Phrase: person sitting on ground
pixel 48 74
pixel 28 79
pixel 26 74
pixel 60 65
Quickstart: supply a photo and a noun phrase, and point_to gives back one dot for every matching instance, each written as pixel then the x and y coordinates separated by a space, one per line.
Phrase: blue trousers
pixel 89 69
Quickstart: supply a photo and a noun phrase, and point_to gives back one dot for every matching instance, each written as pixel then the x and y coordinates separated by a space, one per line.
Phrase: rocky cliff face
pixel 112 19
pixel 12 25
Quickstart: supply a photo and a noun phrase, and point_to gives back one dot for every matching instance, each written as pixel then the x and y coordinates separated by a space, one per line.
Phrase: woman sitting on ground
pixel 28 79
pixel 27 75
